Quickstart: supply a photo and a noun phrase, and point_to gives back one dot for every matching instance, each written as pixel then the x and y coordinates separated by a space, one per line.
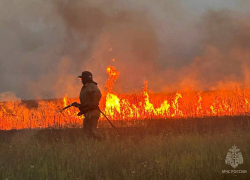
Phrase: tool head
pixel 59 111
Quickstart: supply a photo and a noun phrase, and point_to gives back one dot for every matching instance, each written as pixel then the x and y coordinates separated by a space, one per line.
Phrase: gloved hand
pixel 79 114
pixel 75 104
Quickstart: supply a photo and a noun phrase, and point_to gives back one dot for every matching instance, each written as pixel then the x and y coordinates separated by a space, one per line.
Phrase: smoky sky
pixel 45 45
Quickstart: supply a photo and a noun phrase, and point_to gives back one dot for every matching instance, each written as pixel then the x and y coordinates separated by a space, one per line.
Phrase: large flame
pixel 113 76
pixel 15 115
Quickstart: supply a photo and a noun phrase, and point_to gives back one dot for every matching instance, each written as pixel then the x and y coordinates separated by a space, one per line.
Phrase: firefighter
pixel 90 96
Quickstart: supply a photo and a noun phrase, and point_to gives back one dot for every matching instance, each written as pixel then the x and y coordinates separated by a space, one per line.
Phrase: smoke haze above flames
pixel 175 45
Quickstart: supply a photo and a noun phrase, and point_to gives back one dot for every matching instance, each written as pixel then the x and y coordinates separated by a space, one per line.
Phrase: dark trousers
pixel 90 125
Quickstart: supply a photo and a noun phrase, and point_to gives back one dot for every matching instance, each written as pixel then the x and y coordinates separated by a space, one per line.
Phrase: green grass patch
pixel 140 153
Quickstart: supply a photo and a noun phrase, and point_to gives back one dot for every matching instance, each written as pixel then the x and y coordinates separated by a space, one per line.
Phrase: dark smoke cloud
pixel 31 39
pixel 44 45
pixel 144 38
pixel 226 51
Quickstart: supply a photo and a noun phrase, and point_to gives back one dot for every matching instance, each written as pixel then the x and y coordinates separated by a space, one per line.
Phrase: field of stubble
pixel 161 149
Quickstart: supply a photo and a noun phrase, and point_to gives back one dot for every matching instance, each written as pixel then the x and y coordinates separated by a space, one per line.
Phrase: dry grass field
pixel 161 149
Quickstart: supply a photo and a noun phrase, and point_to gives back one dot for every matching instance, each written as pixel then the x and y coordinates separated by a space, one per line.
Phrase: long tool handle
pixel 64 108
pixel 109 122
pixel 115 129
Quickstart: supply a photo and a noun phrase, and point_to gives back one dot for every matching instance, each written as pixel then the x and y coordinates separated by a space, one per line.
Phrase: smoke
pixel 225 51
pixel 8 96
pixel 31 40
pixel 44 45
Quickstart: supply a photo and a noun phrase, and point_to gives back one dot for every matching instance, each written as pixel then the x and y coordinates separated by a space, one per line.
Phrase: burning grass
pixel 161 149
pixel 127 107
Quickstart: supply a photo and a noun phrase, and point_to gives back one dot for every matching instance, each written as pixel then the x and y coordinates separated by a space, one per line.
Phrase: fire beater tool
pixel 75 104
pixel 70 105
pixel 109 121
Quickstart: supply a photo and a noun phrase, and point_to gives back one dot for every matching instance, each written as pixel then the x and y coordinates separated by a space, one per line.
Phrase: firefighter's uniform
pixel 90 96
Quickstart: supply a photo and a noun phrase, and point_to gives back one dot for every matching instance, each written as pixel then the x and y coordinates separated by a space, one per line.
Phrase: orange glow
pixel 145 105
pixel 113 76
